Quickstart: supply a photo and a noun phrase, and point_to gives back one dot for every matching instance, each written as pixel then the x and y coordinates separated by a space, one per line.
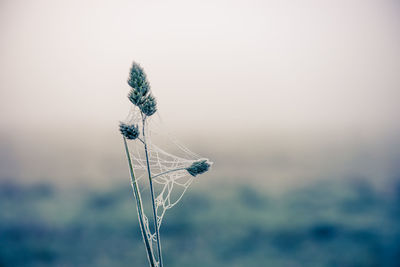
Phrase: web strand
pixel 171 180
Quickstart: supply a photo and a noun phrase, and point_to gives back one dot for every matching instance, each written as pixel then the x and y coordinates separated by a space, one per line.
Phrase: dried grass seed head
pixel 198 167
pixel 136 97
pixel 138 79
pixel 149 106
pixel 131 132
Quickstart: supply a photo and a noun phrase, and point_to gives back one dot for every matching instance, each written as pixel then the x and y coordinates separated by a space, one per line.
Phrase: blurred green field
pixel 342 223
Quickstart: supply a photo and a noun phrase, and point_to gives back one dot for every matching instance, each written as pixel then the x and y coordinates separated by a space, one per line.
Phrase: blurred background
pixel 295 102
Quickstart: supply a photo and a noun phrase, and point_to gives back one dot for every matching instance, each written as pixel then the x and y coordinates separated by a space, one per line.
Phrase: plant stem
pixel 152 194
pixel 173 170
pixel 139 208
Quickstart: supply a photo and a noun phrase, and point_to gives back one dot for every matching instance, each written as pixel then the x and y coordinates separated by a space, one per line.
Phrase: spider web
pixel 169 175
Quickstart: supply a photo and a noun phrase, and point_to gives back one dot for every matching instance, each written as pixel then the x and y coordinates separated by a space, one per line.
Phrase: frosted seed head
pixel 149 105
pixel 137 79
pixel 136 97
pixel 198 167
pixel 129 131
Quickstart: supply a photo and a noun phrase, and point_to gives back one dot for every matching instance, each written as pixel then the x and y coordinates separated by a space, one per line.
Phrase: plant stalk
pixel 173 170
pixel 152 194
pixel 139 207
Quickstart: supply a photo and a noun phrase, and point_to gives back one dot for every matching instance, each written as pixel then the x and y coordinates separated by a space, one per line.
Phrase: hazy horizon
pixel 273 85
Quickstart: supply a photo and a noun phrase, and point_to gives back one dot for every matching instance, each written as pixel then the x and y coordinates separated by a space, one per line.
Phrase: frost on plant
pixel 198 167
pixel 164 175
pixel 130 132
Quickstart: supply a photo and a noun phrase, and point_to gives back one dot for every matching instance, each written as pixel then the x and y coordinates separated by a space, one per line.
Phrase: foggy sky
pixel 224 65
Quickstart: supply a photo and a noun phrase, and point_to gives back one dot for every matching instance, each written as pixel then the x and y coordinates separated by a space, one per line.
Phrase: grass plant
pixel 141 97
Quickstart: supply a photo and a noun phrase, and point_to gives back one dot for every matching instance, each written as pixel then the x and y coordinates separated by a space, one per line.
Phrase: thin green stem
pixel 139 208
pixel 152 194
